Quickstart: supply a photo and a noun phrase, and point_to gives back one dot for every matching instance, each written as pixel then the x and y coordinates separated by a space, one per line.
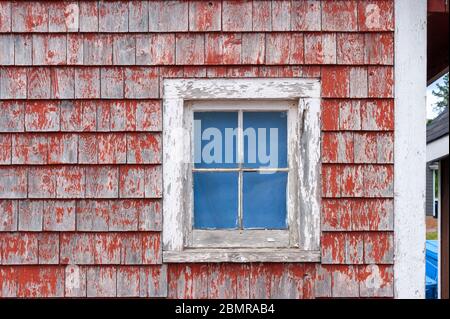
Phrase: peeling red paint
pixel 112 148
pixel 376 15
pixel 378 247
pixel 381 82
pixel 71 182
pixel 87 83
pixel 19 248
pixel 336 82
pixel 330 115
pixel 339 16
pixel 350 48
pixel 37 281
pixel 336 215
pixel 81 173
pixel 205 15
pixel 333 248
pixel 278 48
pixel 331 180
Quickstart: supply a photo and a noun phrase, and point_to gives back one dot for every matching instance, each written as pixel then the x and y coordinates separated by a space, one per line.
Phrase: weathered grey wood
pixel 113 16
pixel 350 116
pixel 101 282
pixel 111 83
pixel 173 192
pixel 240 238
pixel 188 185
pixel 305 15
pixel 253 46
pixel 273 89
pixel 344 283
pixel 241 255
pixel 97 50
pixel 286 282
pixel 153 281
pixel 75 281
pixel 376 284
pixel 65 223
pixel 6 49
pixel 88 16
pixel 281 15
pixel 189 49
pixel 63 83
pixel 23 49
pixel 310 174
pixel 385 148
pixel 329 48
pixel 322 283
pixel 30 215
pixel 260 281
pixel 358 82
pixel 293 176
pixel 49 50
pixel 168 16
pixel 13 183
pixel 124 49
pixel 92 215
pixel 71 14
pixel 12 116
pixel 38 83
pixel 153 181
pixel 138 16
pixel 150 217
pixel 8 215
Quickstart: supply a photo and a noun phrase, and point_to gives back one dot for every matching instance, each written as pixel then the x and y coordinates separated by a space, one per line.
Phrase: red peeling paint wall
pixel 80 141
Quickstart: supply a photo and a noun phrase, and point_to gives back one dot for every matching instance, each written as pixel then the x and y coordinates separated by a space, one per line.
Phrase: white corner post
pixel 410 147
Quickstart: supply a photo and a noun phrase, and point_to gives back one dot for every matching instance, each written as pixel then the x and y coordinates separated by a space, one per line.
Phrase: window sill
pixel 240 239
pixel 241 255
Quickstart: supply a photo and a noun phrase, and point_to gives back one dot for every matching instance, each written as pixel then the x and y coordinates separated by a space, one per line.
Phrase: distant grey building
pixel 437 198
pixel 437 148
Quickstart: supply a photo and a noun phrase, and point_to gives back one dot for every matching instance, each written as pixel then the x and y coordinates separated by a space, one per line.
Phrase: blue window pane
pixel 215 200
pixel 215 139
pixel 265 139
pixel 264 202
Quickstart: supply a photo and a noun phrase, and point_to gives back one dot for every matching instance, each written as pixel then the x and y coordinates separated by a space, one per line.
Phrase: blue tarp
pixel 431 256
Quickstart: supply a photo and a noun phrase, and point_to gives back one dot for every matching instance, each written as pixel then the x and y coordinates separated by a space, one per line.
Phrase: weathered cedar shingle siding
pixel 80 141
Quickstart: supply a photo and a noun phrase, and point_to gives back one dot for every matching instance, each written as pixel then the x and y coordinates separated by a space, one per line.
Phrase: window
pixel 240 173
pixel 241 170
pixel 435 169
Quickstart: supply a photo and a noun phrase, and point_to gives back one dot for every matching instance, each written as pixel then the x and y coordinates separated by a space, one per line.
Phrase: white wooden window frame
pixel 248 238
pixel 301 243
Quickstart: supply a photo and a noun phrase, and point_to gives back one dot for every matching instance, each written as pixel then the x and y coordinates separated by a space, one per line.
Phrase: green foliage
pixel 442 94
pixel 432 235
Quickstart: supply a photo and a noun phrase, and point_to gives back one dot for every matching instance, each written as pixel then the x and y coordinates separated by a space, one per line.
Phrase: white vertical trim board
pixel 410 148
pixel 439 228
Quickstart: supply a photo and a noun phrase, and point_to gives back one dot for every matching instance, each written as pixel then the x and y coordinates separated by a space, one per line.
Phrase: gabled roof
pixel 438 127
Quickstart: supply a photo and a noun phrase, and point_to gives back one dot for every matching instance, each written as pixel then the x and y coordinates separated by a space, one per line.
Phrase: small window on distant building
pixel 436 186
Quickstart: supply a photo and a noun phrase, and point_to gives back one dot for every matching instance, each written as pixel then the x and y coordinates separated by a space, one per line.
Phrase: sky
pixel 431 99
